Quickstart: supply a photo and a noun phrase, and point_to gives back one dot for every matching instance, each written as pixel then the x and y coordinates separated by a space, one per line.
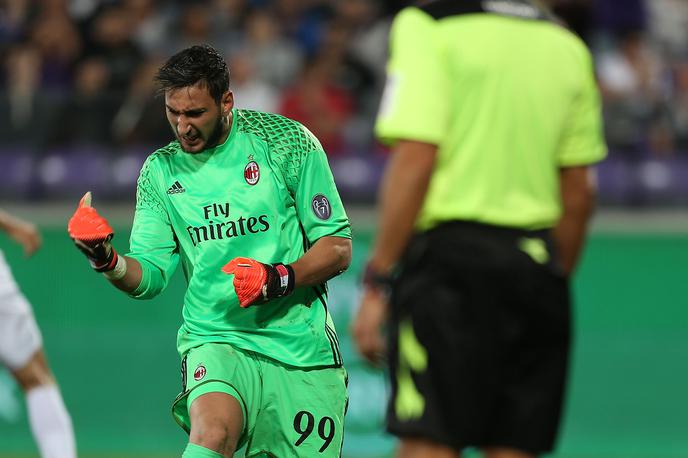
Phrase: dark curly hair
pixel 199 63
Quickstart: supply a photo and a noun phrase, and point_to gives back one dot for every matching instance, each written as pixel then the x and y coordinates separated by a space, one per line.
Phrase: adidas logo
pixel 176 188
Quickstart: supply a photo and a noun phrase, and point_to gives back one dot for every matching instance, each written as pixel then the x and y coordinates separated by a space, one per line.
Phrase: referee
pixel 494 116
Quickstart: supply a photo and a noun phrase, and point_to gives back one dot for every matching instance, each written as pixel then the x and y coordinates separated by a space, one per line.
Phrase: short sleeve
pixel 414 102
pixel 583 139
pixel 152 241
pixel 318 203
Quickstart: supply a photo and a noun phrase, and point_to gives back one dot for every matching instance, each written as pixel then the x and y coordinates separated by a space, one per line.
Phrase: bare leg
pixel 420 448
pixel 48 417
pixel 34 373
pixel 216 423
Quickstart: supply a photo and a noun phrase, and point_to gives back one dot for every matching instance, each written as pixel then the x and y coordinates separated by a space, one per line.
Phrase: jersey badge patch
pixel 199 373
pixel 252 172
pixel 321 207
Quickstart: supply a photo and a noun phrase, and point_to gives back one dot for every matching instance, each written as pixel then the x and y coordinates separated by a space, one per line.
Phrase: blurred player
pixel 494 115
pixel 260 358
pixel 21 351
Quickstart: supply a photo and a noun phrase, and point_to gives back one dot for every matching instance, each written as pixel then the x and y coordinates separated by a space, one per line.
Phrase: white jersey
pixel 7 283
pixel 19 334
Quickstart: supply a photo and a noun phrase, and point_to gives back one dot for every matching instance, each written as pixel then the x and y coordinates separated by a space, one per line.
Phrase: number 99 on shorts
pixel 305 425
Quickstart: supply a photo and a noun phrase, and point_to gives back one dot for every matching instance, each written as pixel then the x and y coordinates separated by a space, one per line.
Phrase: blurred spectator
pixel 354 77
pixel 321 106
pixel 140 120
pixel 19 103
pixel 58 41
pixel 302 21
pixel 229 13
pixel 228 20
pixel 669 26
pixel 81 10
pixel 194 27
pixel 349 73
pixel 616 16
pixel 277 59
pixel 49 8
pixel 87 116
pixel 12 19
pixel 679 109
pixel 368 33
pixel 150 22
pixel 250 92
pixel 77 71
pixel 631 80
pixel 112 34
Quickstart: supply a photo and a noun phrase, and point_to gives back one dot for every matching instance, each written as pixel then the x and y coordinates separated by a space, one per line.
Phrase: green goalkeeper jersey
pixel 266 193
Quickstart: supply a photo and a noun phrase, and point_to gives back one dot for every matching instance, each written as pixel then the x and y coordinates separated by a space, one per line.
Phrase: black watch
pixel 375 279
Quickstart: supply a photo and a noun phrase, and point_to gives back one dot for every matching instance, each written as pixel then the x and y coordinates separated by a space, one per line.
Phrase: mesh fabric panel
pixel 146 193
pixel 288 141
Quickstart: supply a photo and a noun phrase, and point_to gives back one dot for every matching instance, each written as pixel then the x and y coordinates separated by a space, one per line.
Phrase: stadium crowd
pixel 80 73
pixel 77 74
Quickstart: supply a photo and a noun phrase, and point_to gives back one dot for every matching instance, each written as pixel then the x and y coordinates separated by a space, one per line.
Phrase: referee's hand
pixel 367 326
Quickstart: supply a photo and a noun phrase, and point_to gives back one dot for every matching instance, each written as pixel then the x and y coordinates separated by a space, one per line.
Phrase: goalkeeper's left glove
pixel 255 282
pixel 92 235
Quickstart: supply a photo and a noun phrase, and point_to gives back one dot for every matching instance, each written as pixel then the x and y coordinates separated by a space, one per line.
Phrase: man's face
pixel 197 120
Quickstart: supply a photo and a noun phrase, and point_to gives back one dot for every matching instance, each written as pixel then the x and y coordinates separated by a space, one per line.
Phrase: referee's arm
pixel 577 187
pixel 402 193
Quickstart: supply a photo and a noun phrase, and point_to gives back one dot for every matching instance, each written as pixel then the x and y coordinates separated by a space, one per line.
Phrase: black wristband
pixel 280 281
pixel 101 254
pixel 110 262
pixel 375 279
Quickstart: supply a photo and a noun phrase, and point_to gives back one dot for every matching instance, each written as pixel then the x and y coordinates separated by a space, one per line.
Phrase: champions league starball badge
pixel 321 206
pixel 251 172
pixel 199 373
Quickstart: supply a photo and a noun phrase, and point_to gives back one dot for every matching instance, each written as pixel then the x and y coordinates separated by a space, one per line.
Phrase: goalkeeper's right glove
pixel 256 283
pixel 92 234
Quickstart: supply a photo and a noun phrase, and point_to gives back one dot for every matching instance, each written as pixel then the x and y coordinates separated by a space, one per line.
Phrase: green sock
pixel 196 451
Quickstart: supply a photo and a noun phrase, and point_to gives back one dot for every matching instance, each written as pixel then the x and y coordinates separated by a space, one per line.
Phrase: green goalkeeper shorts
pixel 288 411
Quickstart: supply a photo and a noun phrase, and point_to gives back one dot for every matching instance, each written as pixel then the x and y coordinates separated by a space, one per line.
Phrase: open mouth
pixel 190 139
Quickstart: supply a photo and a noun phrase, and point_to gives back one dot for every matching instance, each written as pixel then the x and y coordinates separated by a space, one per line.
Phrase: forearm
pixel 151 234
pixel 9 222
pixel 401 196
pixel 132 277
pixel 577 194
pixel 327 258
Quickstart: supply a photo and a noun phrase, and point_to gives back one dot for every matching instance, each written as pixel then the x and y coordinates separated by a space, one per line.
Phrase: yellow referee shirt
pixel 509 97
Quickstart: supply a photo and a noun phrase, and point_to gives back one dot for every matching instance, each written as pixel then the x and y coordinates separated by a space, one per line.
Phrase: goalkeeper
pixel 246 202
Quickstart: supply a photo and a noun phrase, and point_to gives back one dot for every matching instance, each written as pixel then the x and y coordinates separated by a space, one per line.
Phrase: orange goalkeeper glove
pixel 255 282
pixel 92 235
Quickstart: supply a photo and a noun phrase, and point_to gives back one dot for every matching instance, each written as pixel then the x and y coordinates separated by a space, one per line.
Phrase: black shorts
pixel 482 356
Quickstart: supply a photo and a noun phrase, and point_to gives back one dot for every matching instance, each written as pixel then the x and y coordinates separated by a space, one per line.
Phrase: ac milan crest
pixel 199 373
pixel 252 173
